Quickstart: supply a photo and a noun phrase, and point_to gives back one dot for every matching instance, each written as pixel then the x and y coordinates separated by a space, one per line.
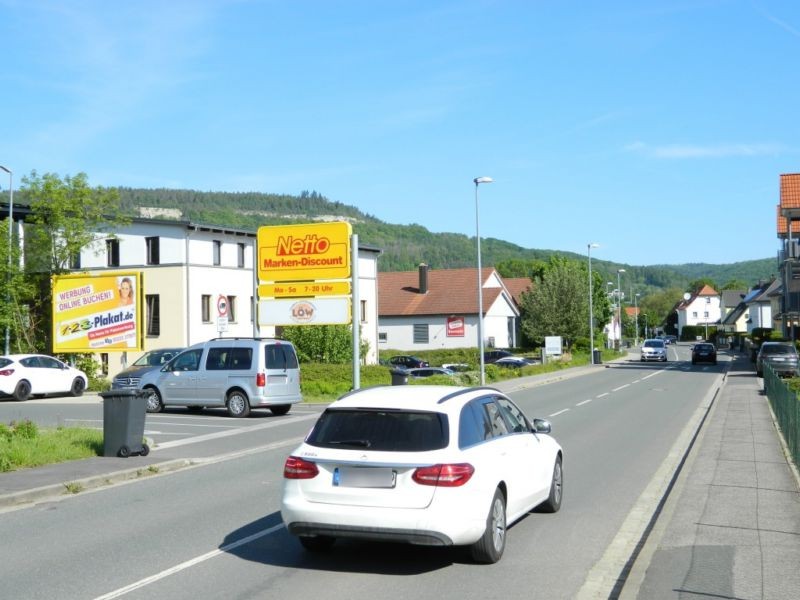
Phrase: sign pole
pixel 355 314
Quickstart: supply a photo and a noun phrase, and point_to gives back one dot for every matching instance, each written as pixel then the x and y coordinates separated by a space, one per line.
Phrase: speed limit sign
pixel 222 306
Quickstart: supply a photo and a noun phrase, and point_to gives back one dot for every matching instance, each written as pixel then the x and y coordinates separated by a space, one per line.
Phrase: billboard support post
pixel 356 314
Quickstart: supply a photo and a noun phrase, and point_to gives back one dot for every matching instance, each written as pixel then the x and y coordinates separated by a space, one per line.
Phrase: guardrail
pixel 786 406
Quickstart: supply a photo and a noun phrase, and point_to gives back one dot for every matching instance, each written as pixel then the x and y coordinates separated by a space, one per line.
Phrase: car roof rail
pixel 465 391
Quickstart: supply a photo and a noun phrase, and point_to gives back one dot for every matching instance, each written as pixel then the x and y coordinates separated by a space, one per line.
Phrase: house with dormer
pixel 428 309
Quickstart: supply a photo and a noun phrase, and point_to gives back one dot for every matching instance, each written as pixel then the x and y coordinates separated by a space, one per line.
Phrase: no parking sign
pixel 222 306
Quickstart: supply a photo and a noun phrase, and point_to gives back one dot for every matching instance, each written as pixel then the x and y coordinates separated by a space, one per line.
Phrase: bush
pixel 25 429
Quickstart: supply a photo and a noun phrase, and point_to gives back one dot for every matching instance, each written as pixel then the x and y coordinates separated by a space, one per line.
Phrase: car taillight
pixel 444 475
pixel 297 468
pixel 7 372
pixel 261 379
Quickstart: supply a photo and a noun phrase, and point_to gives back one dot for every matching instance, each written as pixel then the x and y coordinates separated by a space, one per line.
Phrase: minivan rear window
pixel 380 430
pixel 280 356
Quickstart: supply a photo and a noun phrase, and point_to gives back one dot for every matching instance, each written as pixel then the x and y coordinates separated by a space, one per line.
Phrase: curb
pixel 53 491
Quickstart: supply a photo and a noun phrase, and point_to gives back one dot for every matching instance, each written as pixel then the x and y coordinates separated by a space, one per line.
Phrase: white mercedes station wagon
pixel 428 465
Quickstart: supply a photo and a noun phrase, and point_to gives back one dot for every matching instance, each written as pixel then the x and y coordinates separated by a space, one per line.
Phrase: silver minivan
pixel 237 373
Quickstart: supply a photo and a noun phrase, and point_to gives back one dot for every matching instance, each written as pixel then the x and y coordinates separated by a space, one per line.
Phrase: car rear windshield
pixel 381 430
pixel 4 362
pixel 704 347
pixel 778 349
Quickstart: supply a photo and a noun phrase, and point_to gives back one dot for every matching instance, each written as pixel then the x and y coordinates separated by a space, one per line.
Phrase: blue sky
pixel 658 129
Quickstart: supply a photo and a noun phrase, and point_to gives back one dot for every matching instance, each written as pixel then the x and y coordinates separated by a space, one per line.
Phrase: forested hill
pixel 405 246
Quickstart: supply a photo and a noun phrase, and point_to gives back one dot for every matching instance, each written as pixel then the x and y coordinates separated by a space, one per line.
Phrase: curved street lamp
pixel 478 181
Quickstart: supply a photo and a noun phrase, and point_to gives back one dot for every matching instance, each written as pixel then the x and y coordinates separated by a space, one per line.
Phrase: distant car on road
pixel 131 377
pixel 407 362
pixel 26 375
pixel 429 372
pixel 781 356
pixel 704 352
pixel 654 349
pixel 671 339
pixel 492 356
pixel 514 362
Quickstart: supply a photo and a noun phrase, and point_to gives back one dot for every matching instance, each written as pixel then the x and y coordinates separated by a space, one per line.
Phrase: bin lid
pixel 124 393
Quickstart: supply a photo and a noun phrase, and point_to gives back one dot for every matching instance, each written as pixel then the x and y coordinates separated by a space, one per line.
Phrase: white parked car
pixel 26 375
pixel 428 465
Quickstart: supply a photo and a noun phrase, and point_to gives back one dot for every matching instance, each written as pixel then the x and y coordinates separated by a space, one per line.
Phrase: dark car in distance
pixel 407 362
pixel 704 352
pixel 781 356
pixel 492 356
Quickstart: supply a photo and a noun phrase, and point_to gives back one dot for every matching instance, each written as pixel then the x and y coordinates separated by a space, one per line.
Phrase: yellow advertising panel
pixel 304 252
pixel 97 313
pixel 298 289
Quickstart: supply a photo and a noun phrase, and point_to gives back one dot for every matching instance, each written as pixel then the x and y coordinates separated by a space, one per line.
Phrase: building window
pixel 217 252
pixel 363 311
pixel 112 253
pixel 232 309
pixel 420 333
pixel 705 314
pixel 75 260
pixel 383 337
pixel 153 303
pixel 694 314
pixel 240 248
pixel 206 308
pixel 252 309
pixel 152 250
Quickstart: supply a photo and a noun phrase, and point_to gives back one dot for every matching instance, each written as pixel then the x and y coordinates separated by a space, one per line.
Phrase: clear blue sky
pixel 658 129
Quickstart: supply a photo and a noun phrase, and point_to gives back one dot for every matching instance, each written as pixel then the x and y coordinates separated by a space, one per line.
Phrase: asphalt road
pixel 214 530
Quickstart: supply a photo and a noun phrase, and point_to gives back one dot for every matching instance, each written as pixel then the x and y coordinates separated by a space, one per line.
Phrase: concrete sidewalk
pixel 730 528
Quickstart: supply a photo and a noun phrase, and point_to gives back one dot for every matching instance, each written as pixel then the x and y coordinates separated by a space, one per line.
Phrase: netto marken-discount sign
pixel 313 252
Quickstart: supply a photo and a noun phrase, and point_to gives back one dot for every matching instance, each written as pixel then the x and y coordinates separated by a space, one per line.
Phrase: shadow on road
pixel 347 556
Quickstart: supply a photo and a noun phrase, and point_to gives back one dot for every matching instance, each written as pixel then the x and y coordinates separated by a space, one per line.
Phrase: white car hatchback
pixel 428 465
pixel 26 375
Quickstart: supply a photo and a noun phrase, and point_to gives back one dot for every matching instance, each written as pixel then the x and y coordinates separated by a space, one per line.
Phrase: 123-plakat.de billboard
pixel 97 313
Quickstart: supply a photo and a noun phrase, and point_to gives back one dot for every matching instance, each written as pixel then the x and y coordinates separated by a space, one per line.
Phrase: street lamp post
pixel 10 241
pixel 591 315
pixel 619 307
pixel 478 181
pixel 645 325
pixel 636 315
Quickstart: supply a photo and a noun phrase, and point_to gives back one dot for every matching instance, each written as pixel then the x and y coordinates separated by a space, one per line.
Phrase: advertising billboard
pixel 319 251
pixel 97 313
pixel 455 326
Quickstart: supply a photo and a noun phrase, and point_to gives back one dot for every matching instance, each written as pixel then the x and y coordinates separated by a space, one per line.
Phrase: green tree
pixel 736 284
pixel 697 284
pixel 659 305
pixel 67 215
pixel 324 343
pixel 558 303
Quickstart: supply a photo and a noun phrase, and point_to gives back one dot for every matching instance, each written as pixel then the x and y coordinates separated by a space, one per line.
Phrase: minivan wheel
pixel 238 405
pixel 280 409
pixel 490 547
pixel 153 400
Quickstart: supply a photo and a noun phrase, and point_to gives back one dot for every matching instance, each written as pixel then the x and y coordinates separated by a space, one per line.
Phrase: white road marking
pixel 230 432
pixel 603 395
pixel 555 414
pixel 187 564
pixel 622 387
pixel 584 402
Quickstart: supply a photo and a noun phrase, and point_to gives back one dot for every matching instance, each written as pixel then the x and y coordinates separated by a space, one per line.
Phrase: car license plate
pixel 364 477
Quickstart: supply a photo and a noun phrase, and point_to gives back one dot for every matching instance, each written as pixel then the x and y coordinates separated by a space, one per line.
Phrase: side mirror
pixel 542 426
